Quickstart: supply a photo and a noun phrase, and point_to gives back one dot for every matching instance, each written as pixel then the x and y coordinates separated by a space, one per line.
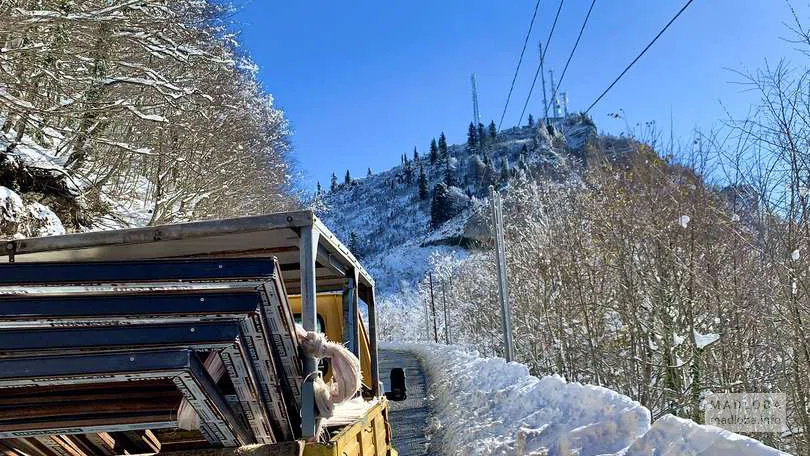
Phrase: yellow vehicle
pixel 315 280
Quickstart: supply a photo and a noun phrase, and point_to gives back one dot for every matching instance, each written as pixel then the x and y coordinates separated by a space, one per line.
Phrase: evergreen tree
pixel 482 136
pixel 408 173
pixel 424 192
pixel 347 179
pixel 472 137
pixel 318 189
pixel 449 174
pixel 434 151
pixel 442 145
pixel 493 131
pixel 415 155
pixel 531 121
pixel 333 187
pixel 504 171
pixel 368 174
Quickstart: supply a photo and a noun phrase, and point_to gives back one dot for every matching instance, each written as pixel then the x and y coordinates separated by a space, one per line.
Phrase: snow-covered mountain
pixel 386 223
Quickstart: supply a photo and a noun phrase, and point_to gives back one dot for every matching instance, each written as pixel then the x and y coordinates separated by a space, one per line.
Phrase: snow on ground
pixel 490 407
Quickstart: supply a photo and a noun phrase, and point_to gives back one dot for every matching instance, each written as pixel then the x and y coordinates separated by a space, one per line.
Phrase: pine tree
pixel 415 155
pixel 424 192
pixel 333 187
pixel 531 121
pixel 353 243
pixel 368 174
pixel 482 136
pixel 434 151
pixel 408 173
pixel 493 131
pixel 504 171
pixel 472 137
pixel 318 189
pixel 442 145
pixel 449 175
pixel 347 180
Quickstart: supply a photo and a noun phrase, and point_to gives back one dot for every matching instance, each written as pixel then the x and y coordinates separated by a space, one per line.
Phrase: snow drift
pixel 490 407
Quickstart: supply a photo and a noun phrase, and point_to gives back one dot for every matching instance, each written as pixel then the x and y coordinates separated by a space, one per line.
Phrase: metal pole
pixel 553 89
pixel 503 290
pixel 371 302
pixel 543 80
pixel 427 321
pixel 444 305
pixel 449 333
pixel 433 310
pixel 309 310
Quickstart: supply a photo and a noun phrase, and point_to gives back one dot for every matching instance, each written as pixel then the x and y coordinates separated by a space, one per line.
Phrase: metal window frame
pixel 224 337
pixel 217 422
pixel 139 309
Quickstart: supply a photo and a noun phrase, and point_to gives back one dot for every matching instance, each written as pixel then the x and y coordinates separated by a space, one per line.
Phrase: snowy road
pixel 408 418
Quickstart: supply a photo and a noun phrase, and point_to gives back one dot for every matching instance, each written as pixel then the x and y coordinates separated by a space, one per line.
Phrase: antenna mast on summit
pixel 476 115
pixel 543 80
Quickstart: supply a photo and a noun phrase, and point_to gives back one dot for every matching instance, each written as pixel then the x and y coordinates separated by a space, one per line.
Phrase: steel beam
pixel 135 271
pixel 308 248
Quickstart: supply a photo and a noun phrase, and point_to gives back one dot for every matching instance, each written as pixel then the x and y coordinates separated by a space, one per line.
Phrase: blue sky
pixel 364 81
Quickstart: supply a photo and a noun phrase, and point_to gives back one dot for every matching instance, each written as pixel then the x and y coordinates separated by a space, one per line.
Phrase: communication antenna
pixel 564 97
pixel 543 80
pixel 476 116
pixel 555 99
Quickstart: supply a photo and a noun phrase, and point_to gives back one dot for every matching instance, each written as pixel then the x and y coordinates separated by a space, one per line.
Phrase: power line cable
pixel 542 58
pixel 685 6
pixel 520 60
pixel 571 55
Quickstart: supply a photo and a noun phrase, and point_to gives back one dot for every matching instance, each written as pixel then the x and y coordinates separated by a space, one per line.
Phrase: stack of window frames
pixel 95 358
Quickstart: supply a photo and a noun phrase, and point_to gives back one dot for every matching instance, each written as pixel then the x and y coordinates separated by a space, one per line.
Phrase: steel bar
pixel 308 246
pixel 135 271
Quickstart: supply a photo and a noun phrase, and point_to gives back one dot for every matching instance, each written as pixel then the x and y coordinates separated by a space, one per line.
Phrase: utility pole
pixel 449 333
pixel 503 289
pixel 433 309
pixel 427 321
pixel 543 80
pixel 444 305
pixel 476 115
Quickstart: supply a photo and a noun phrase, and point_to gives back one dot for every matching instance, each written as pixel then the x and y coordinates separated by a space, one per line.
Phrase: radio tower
pixel 554 100
pixel 543 79
pixel 476 116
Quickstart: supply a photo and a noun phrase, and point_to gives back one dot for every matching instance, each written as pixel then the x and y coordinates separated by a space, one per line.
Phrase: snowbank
pixel 490 407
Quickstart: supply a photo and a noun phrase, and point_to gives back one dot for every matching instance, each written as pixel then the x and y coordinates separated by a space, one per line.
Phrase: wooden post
pixel 308 249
